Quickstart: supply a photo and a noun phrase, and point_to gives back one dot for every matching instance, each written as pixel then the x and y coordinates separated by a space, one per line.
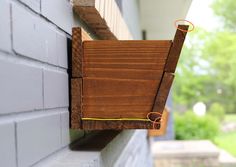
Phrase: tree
pixel 220 51
pixel 226 11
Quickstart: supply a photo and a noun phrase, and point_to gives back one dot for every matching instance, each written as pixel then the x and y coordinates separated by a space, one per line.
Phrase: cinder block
pixel 7 144
pixel 62 50
pixel 27 35
pixel 65 135
pixel 135 152
pixel 33 4
pixel 33 38
pixel 21 88
pixel 51 45
pixel 5 36
pixel 37 137
pixel 55 89
pixel 59 12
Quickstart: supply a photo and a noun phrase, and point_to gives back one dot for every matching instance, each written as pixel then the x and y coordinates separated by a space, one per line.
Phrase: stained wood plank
pixel 127 55
pixel 117 125
pixel 123 73
pixel 76 52
pixel 118 87
pixel 78 36
pixel 121 100
pixel 163 92
pixel 124 60
pixel 116 111
pixel 176 49
pixel 148 66
pixel 162 52
pixel 76 97
pixel 120 50
pixel 105 44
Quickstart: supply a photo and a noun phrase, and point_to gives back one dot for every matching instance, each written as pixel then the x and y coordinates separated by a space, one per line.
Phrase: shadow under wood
pixel 95 141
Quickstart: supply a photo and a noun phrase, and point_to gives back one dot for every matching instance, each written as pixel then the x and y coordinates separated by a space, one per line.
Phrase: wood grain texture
pixel 123 60
pixel 125 55
pixel 76 52
pixel 144 66
pixel 108 44
pixel 119 100
pixel 120 79
pixel 163 92
pixel 117 125
pixel 101 87
pixel 176 49
pixel 116 111
pixel 146 55
pixel 78 36
pixel 123 73
pixel 76 101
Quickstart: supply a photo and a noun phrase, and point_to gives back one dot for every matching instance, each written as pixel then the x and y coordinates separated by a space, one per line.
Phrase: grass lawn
pixel 227 141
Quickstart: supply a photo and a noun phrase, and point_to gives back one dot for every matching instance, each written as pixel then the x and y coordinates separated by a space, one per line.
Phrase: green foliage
pixel 190 126
pixel 220 52
pixel 206 71
pixel 189 85
pixel 217 110
pixel 225 9
pixel 194 80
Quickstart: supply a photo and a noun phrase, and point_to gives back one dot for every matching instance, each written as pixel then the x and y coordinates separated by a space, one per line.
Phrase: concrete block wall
pixel 34 116
pixel 129 149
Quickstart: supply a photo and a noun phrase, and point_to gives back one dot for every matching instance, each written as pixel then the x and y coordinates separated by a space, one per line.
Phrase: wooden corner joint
pixel 78 36
pixel 169 70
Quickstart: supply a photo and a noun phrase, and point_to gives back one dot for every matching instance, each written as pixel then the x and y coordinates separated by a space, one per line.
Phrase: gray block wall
pixel 34 117
pixel 34 100
pixel 129 149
